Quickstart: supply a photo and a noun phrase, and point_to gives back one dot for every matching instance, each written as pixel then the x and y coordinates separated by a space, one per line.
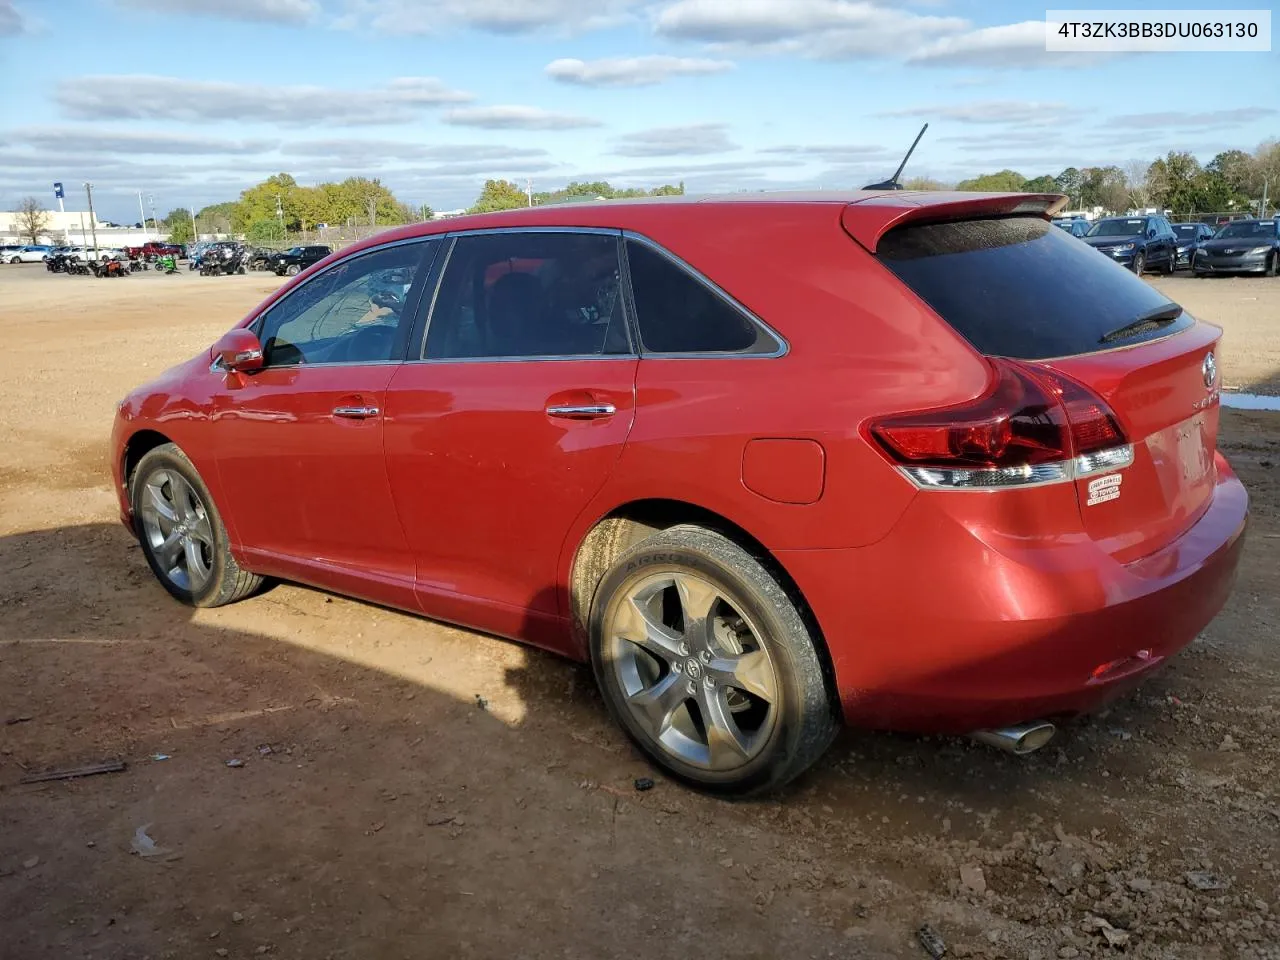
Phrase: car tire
pixel 1172 268
pixel 1139 263
pixel 292 270
pixel 737 707
pixel 1271 265
pixel 15 260
pixel 181 532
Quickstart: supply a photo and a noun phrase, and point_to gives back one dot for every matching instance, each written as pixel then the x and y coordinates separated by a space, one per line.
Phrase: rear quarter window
pixel 1018 287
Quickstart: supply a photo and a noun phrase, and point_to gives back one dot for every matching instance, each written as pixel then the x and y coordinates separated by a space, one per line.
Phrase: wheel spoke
pixel 726 744
pixel 202 530
pixel 749 672
pixel 155 495
pixel 636 624
pixel 188 504
pixel 197 571
pixel 167 551
pixel 654 705
pixel 697 598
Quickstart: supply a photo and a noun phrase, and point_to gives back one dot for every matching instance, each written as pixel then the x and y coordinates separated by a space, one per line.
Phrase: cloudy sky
pixel 193 100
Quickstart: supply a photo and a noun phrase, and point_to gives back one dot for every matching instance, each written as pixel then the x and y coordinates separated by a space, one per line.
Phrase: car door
pixel 299 444
pixel 509 420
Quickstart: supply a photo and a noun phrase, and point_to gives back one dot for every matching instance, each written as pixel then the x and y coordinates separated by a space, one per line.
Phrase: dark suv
pixel 1190 237
pixel 1242 246
pixel 1136 242
pixel 296 259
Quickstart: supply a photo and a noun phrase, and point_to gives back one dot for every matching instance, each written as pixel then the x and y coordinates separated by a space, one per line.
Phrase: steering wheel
pixel 371 343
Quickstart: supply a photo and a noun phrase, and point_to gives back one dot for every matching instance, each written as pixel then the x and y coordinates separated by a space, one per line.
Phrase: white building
pixel 75 228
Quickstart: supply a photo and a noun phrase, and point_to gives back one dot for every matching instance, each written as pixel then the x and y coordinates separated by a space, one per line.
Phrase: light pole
pixel 93 220
pixel 145 236
pixel 154 222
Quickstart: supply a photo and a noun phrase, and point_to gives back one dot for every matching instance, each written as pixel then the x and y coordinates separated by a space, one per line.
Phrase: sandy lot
pixel 379 811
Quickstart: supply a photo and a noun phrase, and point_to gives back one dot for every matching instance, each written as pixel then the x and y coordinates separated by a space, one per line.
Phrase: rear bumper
pixel 935 630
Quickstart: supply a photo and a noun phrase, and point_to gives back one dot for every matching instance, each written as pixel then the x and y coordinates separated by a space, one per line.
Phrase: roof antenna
pixel 892 183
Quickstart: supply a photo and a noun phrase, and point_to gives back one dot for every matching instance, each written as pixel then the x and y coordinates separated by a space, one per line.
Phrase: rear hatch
pixel 1017 288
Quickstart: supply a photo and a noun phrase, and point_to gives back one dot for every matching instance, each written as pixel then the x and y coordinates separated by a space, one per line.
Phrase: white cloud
pixel 1011 45
pixel 831 29
pixel 691 140
pixel 1025 112
pixel 196 101
pixel 363 150
pixel 511 117
pixel 263 11
pixel 94 139
pixel 632 71
pixel 402 17
pixel 830 152
pixel 11 21
pixel 1213 120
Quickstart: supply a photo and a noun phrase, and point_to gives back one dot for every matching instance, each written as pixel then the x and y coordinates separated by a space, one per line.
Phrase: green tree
pixel 1004 181
pixel 1069 182
pixel 1104 187
pixel 178 224
pixel 1176 182
pixel 923 183
pixel 1041 184
pixel 499 195
pixel 1239 172
pixel 425 213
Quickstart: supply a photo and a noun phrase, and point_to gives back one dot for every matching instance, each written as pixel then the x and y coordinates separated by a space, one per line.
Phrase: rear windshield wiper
pixel 1151 320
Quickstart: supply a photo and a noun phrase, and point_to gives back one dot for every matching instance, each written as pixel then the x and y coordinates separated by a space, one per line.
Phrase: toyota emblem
pixel 1210 371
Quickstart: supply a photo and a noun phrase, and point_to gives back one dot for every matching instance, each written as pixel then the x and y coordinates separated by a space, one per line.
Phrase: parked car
pixel 1136 242
pixel 633 434
pixel 1076 226
pixel 1242 246
pixel 33 253
pixel 8 251
pixel 1190 237
pixel 296 259
pixel 259 258
pixel 154 248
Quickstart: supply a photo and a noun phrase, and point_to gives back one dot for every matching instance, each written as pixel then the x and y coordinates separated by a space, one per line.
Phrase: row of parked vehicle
pixel 230 256
pixel 1143 242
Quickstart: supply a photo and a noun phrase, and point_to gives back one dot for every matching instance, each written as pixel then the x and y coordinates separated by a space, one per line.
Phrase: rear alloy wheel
pixel 1139 263
pixel 707 664
pixel 181 534
pixel 1173 264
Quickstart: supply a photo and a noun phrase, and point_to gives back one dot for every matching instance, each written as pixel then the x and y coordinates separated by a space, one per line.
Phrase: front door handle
pixel 356 413
pixel 582 411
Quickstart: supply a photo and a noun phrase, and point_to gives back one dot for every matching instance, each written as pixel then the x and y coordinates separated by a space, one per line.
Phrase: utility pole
pixel 373 211
pixel 155 221
pixel 1262 208
pixel 280 215
pixel 144 218
pixel 93 220
pixel 195 232
pixel 528 188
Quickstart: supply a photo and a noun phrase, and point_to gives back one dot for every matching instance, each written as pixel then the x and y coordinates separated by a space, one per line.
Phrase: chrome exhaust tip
pixel 1019 739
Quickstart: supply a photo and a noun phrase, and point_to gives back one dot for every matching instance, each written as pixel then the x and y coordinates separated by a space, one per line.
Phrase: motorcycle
pixel 56 263
pixel 166 263
pixel 110 267
pixel 222 261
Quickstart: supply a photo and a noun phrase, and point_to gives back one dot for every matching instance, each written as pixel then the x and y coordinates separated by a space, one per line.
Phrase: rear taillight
pixel 1033 426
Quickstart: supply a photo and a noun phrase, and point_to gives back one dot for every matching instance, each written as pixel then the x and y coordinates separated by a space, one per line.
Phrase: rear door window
pixel 1017 287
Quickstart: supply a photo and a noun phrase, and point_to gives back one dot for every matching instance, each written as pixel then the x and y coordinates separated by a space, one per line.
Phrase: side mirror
pixel 239 351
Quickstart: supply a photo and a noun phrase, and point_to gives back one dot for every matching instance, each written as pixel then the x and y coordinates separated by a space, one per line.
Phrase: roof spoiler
pixel 869 219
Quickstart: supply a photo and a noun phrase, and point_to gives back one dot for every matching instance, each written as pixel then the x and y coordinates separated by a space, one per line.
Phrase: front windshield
pixel 1250 229
pixel 1117 228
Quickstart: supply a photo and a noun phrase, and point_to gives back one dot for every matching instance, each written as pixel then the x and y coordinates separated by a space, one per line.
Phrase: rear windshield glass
pixel 1016 287
pixel 1252 229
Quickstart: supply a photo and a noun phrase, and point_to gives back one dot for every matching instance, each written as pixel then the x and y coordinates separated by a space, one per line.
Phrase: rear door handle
pixel 356 413
pixel 582 411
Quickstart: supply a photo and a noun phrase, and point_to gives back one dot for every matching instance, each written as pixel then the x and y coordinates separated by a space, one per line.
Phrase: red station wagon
pixel 898 460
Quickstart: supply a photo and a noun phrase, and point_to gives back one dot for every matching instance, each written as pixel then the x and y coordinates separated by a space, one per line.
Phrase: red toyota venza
pixel 771 464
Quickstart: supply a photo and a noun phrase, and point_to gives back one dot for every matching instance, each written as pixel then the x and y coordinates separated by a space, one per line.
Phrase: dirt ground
pixel 379 810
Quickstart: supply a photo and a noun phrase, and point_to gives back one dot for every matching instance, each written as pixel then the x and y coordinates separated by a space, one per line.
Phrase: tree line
pixel 1232 180
pixel 279 206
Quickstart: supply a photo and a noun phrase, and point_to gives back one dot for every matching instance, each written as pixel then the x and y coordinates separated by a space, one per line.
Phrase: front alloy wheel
pixel 176 526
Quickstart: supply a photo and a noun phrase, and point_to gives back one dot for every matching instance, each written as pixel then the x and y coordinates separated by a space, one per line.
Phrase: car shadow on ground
pixel 373 781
